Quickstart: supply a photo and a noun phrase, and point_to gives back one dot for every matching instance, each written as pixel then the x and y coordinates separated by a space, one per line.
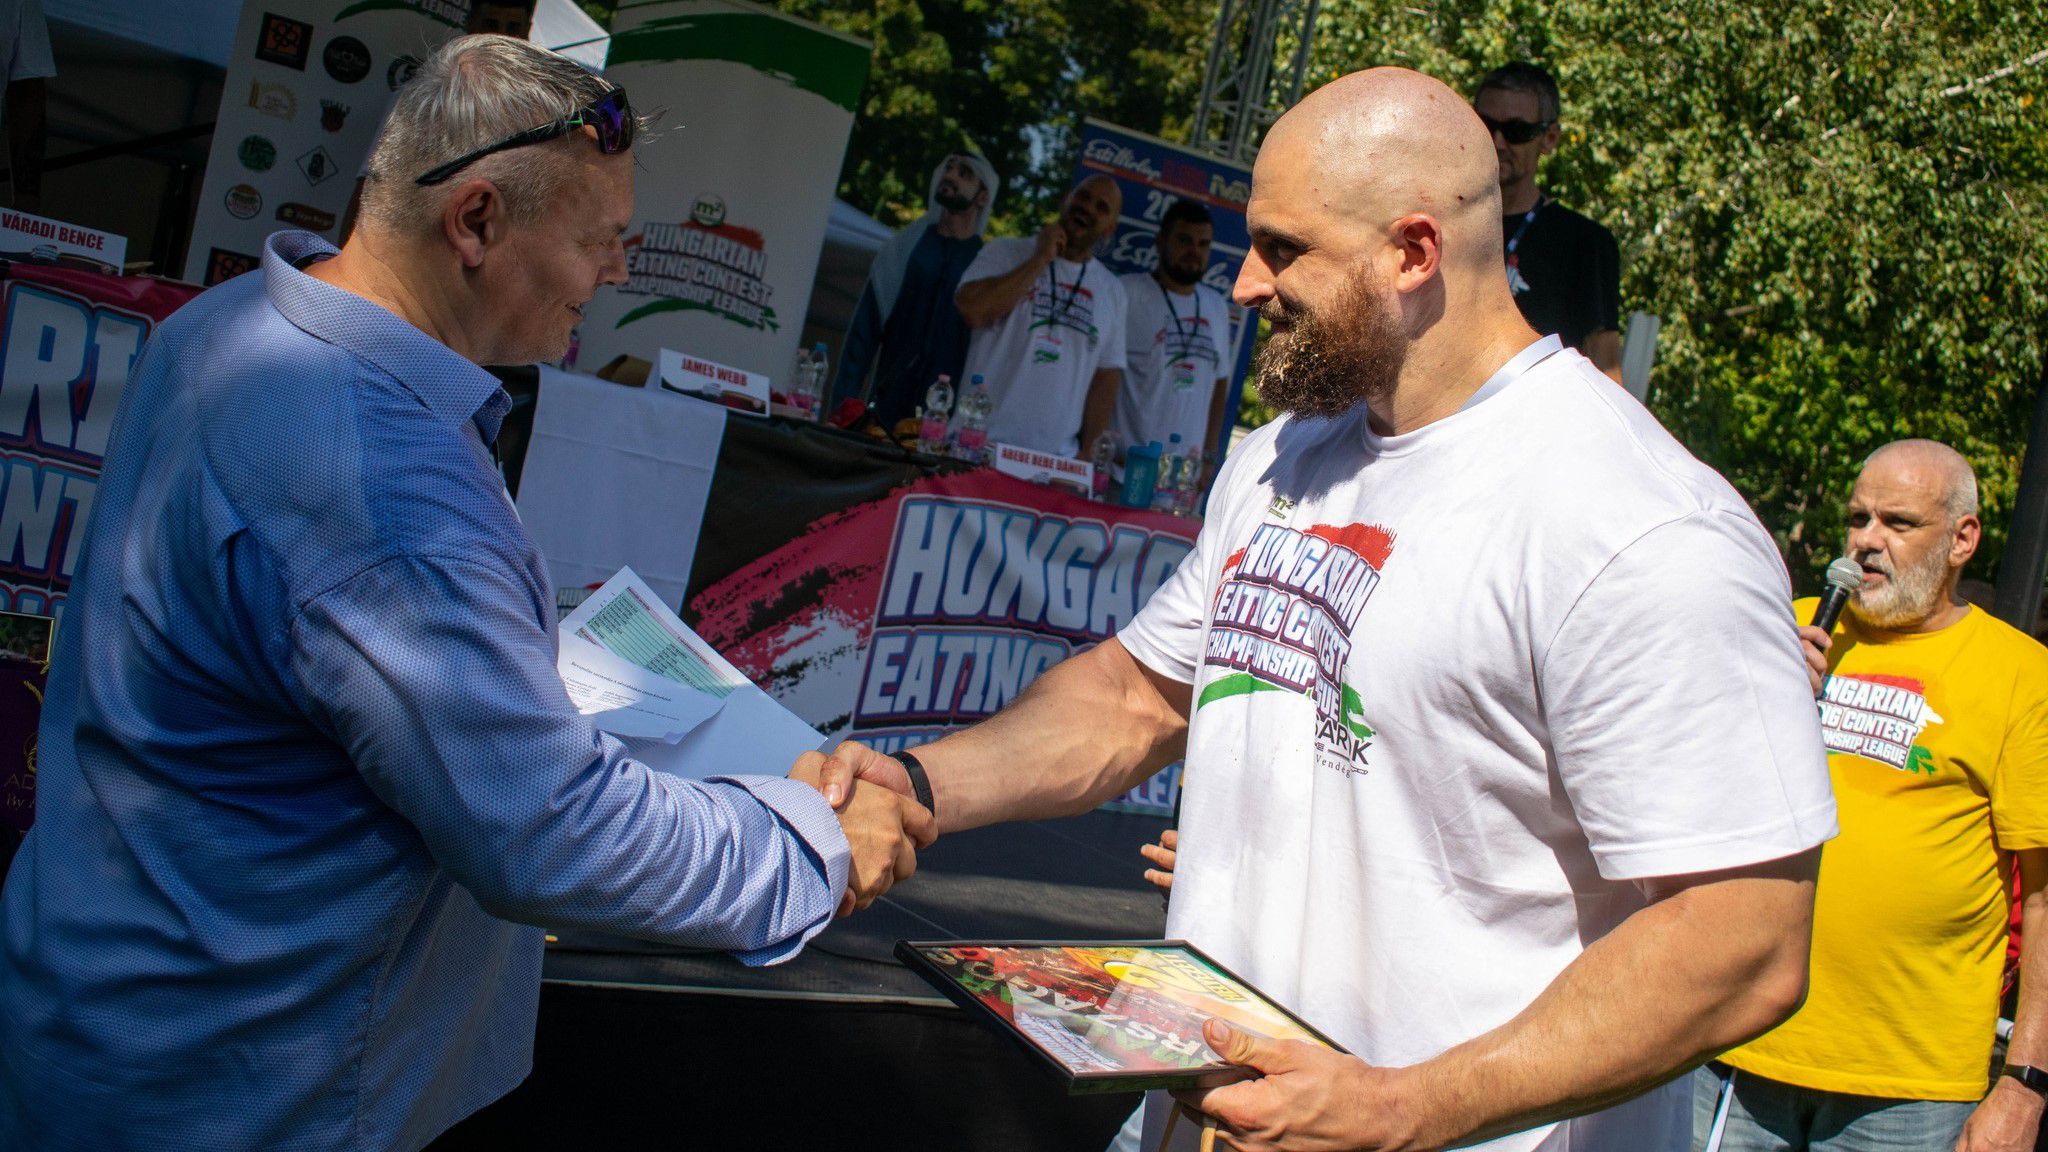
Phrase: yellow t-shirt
pixel 1938 747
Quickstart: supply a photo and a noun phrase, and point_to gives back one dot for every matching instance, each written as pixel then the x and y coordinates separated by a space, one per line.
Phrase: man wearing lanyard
pixel 1564 269
pixel 1048 321
pixel 1177 331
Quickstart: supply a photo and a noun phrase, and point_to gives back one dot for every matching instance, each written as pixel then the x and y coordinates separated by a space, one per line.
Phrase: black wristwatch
pixel 2030 1076
pixel 921 785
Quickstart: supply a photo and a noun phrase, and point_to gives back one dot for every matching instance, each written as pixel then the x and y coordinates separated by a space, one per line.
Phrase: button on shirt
pixel 305 758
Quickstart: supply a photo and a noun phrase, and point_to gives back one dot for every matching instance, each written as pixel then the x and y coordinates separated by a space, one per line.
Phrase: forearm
pixel 1678 982
pixel 2029 1043
pixel 1100 407
pixel 984 302
pixel 1085 731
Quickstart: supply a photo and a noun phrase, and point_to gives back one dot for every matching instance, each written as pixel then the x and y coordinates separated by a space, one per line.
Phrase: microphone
pixel 1844 576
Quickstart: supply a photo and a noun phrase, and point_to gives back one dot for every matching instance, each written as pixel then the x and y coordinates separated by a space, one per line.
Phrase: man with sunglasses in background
pixel 308 773
pixel 1564 269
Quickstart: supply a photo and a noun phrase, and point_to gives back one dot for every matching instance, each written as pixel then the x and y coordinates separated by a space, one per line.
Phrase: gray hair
pixel 1959 480
pixel 473 92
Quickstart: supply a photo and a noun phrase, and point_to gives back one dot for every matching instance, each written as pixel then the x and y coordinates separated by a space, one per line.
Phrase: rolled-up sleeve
pixel 436 677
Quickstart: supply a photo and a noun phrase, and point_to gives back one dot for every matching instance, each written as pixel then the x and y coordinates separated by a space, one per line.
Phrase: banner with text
pixel 1152 174
pixel 734 189
pixel 307 85
pixel 900 619
pixel 68 341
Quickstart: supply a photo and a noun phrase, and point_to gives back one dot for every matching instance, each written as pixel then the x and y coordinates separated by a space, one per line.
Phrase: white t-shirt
pixel 1039 359
pixel 25 42
pixel 1174 356
pixel 1457 690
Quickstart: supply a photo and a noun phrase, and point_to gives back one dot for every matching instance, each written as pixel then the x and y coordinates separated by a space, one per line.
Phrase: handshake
pixel 884 825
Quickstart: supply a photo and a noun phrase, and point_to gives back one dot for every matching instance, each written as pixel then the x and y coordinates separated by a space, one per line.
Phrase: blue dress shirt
pixel 306 765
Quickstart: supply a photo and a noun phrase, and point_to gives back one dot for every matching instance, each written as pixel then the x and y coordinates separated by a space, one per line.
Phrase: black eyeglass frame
pixel 1517 131
pixel 609 114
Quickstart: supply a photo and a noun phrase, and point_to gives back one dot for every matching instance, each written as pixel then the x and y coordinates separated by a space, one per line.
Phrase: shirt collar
pixel 450 386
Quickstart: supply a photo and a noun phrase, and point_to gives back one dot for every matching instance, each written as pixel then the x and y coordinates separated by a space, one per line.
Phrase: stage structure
pixel 1257 63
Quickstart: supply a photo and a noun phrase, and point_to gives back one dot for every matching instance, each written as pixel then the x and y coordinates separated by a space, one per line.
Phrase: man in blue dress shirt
pixel 307 768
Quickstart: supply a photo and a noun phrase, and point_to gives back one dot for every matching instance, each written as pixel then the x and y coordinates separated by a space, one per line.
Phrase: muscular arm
pixel 2011 1113
pixel 1100 407
pixel 1085 731
pixel 986 302
pixel 1716 959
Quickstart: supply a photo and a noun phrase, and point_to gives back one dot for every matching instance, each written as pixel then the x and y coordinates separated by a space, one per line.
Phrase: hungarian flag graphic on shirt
pixel 1284 617
pixel 1878 718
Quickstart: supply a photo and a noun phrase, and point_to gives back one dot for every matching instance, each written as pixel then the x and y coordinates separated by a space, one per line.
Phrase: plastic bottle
pixel 1141 474
pixel 1104 460
pixel 575 346
pixel 935 427
pixel 821 365
pixel 1190 483
pixel 798 392
pixel 970 432
pixel 1172 465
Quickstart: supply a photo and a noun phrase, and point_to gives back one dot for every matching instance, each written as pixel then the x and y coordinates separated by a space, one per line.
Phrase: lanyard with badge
pixel 1047 345
pixel 1515 280
pixel 1182 369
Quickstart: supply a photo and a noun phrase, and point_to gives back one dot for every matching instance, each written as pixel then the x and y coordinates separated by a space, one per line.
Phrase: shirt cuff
pixel 804 812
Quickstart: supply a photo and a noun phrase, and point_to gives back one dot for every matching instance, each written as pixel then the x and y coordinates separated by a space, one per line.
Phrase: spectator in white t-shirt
pixel 25 46
pixel 1177 338
pixel 1048 321
pixel 1503 768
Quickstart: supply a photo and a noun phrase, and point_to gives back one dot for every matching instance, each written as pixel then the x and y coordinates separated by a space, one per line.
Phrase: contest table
pixel 842 1047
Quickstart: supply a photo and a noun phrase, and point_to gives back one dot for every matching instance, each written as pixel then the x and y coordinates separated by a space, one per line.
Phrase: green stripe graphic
pixel 809 59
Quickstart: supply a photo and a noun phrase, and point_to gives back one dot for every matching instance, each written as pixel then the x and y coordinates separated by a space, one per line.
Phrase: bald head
pixel 1384 143
pixel 1928 465
pixel 1088 214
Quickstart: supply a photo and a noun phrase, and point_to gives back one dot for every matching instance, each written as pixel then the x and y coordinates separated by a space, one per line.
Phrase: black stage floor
pixel 842 1047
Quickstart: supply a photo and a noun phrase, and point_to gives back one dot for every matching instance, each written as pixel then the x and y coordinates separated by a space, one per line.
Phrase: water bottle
pixel 799 389
pixel 935 427
pixel 575 346
pixel 1172 465
pixel 970 435
pixel 1104 460
pixel 1141 474
pixel 822 378
pixel 1190 483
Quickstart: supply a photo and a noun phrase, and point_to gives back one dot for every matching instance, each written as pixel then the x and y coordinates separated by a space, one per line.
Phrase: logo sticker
pixel 273 100
pixel 243 202
pixel 703 264
pixel 282 40
pixel 333 115
pixel 318 165
pixel 1878 718
pixel 400 71
pixel 256 153
pixel 708 211
pixel 346 58
pixel 222 264
pixel 305 216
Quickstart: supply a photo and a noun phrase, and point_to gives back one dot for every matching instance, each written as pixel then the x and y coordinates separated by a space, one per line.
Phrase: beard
pixel 951 200
pixel 1183 274
pixel 1909 595
pixel 1329 361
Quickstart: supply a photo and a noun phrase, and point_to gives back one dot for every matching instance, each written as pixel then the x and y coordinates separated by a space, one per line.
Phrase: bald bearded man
pixel 1502 761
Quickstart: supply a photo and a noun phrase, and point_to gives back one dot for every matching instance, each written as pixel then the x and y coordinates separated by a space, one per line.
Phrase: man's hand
pixel 1813 644
pixel 884 831
pixel 1163 854
pixel 1305 1098
pixel 2006 1121
pixel 1052 243
pixel 833 776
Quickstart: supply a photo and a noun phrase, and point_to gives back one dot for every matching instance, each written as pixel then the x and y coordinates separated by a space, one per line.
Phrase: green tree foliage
pixel 1836 207
pixel 1013 79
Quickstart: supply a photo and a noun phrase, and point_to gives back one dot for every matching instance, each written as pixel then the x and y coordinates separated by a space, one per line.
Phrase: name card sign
pixel 40 239
pixel 736 388
pixel 1078 476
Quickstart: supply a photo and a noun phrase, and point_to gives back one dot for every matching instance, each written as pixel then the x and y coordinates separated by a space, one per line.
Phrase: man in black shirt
pixel 1564 268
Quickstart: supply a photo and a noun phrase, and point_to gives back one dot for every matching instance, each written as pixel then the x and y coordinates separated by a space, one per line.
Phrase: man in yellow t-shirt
pixel 1936 721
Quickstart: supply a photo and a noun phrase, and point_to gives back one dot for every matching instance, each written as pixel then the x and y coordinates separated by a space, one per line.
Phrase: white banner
pixel 307 85
pixel 735 186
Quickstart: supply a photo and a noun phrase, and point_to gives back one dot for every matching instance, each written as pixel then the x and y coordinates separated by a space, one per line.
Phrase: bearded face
pixel 1913 588
pixel 1325 361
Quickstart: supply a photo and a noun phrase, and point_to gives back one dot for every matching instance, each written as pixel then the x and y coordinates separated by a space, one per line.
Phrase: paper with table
pixel 678 705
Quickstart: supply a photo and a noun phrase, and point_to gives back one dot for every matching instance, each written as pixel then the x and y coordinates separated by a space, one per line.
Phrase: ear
pixel 1421 241
pixel 473 220
pixel 1969 533
pixel 1550 137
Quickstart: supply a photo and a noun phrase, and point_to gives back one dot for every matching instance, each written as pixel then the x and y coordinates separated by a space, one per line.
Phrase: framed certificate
pixel 1107 1016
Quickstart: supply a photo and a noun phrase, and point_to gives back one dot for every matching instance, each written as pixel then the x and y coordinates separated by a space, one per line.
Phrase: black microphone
pixel 1844 576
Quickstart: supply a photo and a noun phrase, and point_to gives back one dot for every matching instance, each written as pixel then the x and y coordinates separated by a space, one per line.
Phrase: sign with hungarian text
pixel 68 340
pixel 901 619
pixel 39 238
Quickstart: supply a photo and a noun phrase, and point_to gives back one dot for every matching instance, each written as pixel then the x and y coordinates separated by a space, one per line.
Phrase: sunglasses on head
pixel 610 115
pixel 1516 131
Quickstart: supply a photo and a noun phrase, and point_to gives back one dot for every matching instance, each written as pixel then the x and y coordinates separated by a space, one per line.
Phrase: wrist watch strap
pixel 921 785
pixel 2026 1074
